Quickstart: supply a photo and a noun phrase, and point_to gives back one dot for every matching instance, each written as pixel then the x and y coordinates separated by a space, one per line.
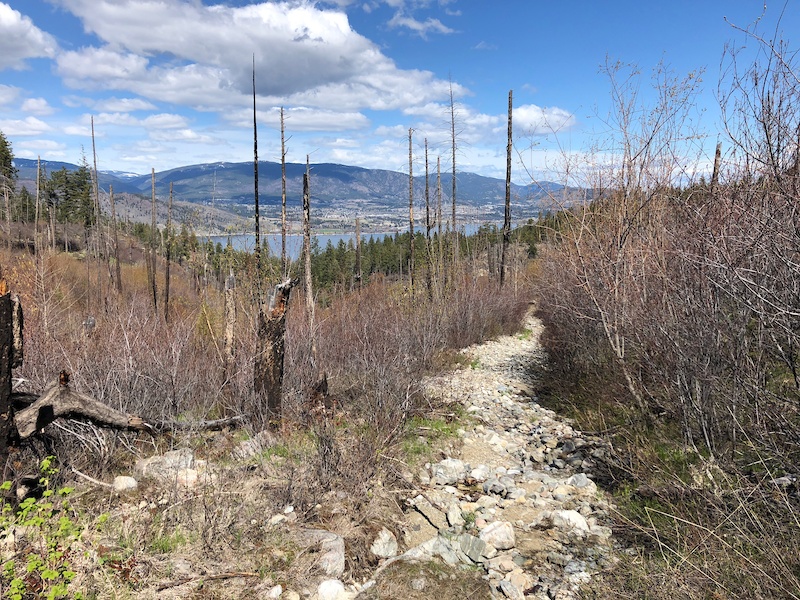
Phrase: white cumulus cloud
pixel 421 28
pixel 124 105
pixel 24 127
pixel 8 93
pixel 530 119
pixel 187 53
pixel 20 39
pixel 37 106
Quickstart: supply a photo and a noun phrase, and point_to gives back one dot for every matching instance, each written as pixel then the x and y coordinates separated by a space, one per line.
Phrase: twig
pixel 91 479
pixel 205 425
pixel 229 575
pixel 211 333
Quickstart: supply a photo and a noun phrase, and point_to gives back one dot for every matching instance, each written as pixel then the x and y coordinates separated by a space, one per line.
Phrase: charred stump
pixel 270 347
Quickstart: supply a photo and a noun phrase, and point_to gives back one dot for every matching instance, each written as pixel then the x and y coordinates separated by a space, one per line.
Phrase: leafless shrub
pixel 685 295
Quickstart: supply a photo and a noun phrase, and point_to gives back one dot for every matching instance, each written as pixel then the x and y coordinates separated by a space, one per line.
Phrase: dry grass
pixel 422 581
pixel 692 528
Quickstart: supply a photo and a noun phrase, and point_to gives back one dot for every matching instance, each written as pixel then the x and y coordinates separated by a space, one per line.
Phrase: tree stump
pixel 270 348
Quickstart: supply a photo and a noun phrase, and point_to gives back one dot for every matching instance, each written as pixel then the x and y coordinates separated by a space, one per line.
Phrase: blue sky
pixel 168 81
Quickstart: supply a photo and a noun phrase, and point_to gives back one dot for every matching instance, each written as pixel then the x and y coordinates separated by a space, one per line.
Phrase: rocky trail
pixel 515 498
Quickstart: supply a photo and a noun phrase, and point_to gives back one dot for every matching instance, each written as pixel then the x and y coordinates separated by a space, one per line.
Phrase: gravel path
pixel 516 497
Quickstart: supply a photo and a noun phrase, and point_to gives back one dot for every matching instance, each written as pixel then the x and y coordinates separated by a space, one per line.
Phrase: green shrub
pixel 46 533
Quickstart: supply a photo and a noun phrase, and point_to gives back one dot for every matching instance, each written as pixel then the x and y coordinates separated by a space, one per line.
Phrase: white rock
pixel 330 589
pixel 385 544
pixel 277 520
pixel 275 592
pixel 570 521
pixel 450 470
pixel 123 483
pixel 331 550
pixel 166 467
pixel 480 473
pixel 454 516
pixel 511 591
pixel 499 534
pixel 486 502
pixel 186 477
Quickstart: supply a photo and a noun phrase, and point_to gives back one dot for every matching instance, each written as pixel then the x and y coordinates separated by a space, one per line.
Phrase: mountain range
pixel 335 188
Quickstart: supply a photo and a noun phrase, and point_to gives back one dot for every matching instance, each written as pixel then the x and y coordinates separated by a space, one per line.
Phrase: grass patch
pixel 167 543
pixel 426 433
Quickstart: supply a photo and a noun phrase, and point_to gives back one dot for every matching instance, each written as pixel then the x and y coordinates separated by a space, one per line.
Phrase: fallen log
pixel 59 400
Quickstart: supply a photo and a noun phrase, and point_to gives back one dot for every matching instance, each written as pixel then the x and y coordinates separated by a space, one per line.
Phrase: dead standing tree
pixel 453 150
pixel 271 330
pixel 151 256
pixel 307 262
pixel 284 262
pixel 411 266
pixel 507 217
pixel 167 255
pixel 270 350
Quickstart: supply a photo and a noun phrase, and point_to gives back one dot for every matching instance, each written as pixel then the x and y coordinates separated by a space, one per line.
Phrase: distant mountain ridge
pixel 332 184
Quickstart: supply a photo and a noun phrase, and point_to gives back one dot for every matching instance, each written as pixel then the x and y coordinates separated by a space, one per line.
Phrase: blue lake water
pixel 294 241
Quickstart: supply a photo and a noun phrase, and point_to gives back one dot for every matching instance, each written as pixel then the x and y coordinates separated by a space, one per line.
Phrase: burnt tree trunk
pixel 6 362
pixel 151 272
pixel 270 346
pixel 358 254
pixel 410 214
pixel 117 267
pixel 308 283
pixel 284 262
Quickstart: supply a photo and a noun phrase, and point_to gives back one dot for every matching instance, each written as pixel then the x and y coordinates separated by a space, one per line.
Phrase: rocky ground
pixel 509 510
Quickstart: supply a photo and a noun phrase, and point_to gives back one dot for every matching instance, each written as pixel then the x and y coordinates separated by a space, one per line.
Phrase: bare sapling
pixel 411 266
pixel 167 255
pixel 284 262
pixel 507 212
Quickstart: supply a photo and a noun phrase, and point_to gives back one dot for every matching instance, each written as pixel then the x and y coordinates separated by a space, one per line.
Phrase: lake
pixel 294 241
